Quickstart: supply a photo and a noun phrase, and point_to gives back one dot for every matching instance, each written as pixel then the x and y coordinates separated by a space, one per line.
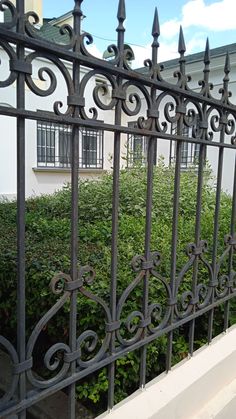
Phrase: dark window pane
pixel 196 153
pixel 45 144
pixel 65 147
pixel 89 149
pixel 184 153
pixel 136 147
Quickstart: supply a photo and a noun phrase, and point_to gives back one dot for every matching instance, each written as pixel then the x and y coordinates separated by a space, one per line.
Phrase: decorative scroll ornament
pixel 65 32
pixel 187 299
pixel 6 5
pixel 158 315
pixel 12 60
pixel 11 352
pixel 226 282
pixel 42 72
pixel 62 285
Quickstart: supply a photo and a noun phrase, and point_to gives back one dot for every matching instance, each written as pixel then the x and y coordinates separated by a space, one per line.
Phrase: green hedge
pixel 48 252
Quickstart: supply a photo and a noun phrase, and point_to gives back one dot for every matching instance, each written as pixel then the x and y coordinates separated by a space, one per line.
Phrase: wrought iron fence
pixel 22 43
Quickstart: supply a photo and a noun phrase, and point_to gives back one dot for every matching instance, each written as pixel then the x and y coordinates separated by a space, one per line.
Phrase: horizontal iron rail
pixel 68 120
pixel 36 396
pixel 102 65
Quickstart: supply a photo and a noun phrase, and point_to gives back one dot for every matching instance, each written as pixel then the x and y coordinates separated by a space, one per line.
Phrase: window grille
pixel 54 146
pixel 136 148
pixel 189 152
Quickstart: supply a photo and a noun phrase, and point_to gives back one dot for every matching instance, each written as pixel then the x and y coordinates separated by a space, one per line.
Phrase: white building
pixel 48 145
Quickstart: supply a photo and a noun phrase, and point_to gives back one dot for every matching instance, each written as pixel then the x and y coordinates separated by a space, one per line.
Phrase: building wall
pixel 216 77
pixel 33 5
pixel 38 182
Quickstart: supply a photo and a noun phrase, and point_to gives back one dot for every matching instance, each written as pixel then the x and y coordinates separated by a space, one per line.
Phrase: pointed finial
pixel 226 94
pixel 207 53
pixel 77 8
pixel 227 67
pixel 155 46
pixel 182 47
pixel 156 26
pixel 121 14
pixel 206 86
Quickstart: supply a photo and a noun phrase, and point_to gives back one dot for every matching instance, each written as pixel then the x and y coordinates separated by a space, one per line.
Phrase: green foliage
pixel 48 252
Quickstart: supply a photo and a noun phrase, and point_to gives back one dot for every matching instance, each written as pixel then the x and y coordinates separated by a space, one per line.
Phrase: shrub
pixel 48 252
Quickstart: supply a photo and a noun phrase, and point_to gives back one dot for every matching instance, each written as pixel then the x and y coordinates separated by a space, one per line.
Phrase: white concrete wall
pixel 38 182
pixel 190 389
pixel 35 6
pixel 7 157
pixel 216 77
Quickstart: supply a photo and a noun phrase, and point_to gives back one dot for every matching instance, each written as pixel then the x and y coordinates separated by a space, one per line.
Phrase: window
pixel 136 148
pixel 91 148
pixel 189 152
pixel 64 138
pixel 54 146
pixel 46 144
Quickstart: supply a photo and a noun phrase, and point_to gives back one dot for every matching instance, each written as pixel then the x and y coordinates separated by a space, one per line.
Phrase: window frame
pixel 61 155
pixel 135 157
pixel 190 151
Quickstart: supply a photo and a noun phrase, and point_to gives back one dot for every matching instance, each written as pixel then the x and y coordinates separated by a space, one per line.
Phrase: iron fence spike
pixel 227 67
pixel 181 47
pixel 156 25
pixel 121 14
pixel 207 53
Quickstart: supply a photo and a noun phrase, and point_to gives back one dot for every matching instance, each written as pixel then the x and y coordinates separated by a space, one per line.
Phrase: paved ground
pixel 53 407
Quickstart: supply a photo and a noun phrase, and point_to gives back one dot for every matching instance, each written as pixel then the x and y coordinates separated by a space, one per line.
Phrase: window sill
pixel 66 170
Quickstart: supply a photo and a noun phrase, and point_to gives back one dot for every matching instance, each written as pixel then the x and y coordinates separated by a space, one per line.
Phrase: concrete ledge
pixel 184 391
pixel 222 406
pixel 54 169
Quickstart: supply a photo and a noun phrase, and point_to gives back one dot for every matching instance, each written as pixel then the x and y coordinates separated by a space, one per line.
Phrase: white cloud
pixel 217 16
pixel 170 28
pixel 197 42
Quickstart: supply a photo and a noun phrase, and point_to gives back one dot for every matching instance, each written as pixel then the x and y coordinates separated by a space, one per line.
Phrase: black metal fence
pixel 22 43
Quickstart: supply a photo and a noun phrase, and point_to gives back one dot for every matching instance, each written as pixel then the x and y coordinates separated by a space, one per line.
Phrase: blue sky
pixel 199 18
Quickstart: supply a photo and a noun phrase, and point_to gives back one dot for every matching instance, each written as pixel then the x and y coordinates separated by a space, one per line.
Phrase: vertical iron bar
pixel 115 204
pixel 20 89
pixel 152 145
pixel 231 253
pixel 223 121
pixel 148 227
pixel 77 14
pixel 216 229
pixel 197 239
pixel 174 237
pixel 180 109
pixel 74 259
pixel 121 15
